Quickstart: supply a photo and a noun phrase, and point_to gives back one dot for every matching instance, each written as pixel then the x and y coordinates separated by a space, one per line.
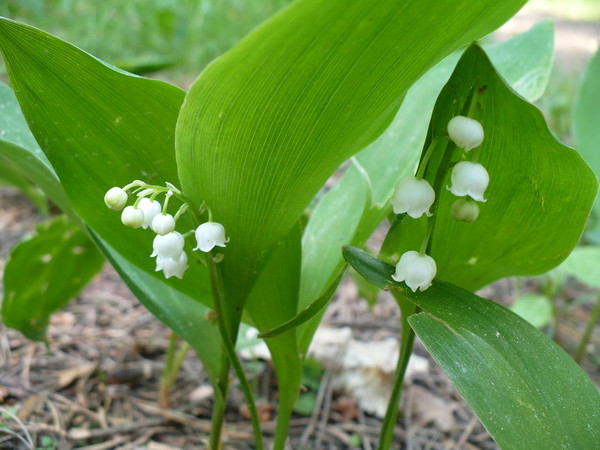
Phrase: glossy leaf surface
pixel 587 116
pixel 265 125
pixel 523 387
pixel 44 273
pixel 101 127
pixel 539 197
pixel 350 211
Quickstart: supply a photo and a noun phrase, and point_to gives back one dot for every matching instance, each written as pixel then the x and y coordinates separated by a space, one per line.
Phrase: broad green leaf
pixel 500 364
pixel 19 149
pixel 535 309
pixel 265 125
pixel 341 217
pixel 100 127
pixel 188 318
pixel 538 199
pixel 44 273
pixel 273 301
pixel 525 61
pixel 587 116
pixel 13 176
pixel 584 265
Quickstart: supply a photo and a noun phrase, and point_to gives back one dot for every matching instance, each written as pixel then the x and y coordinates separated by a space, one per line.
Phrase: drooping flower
pixel 150 208
pixel 466 133
pixel 413 197
pixel 172 267
pixel 470 179
pixel 115 198
pixel 168 246
pixel 132 217
pixel 210 234
pixel 416 270
pixel 465 210
pixel 163 224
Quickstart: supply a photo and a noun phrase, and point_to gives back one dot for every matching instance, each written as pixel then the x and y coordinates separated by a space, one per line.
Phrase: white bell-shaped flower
pixel 163 224
pixel 465 210
pixel 466 133
pixel 469 179
pixel 132 217
pixel 172 267
pixel 168 246
pixel 151 209
pixel 416 270
pixel 210 234
pixel 413 197
pixel 115 198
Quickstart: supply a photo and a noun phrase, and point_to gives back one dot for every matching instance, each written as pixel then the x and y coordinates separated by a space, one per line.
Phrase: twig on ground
pixel 315 415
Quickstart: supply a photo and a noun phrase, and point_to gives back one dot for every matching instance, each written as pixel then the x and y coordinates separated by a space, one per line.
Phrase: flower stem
pixel 173 362
pixel 229 347
pixel 425 160
pixel 585 338
pixel 407 341
pixel 218 413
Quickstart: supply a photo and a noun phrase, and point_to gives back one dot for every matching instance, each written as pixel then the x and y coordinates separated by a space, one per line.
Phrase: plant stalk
pixel 173 362
pixel 585 338
pixel 407 341
pixel 218 413
pixel 229 347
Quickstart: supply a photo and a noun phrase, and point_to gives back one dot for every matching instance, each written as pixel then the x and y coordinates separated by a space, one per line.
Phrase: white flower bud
pixel 163 224
pixel 413 197
pixel 465 210
pixel 172 267
pixel 132 217
pixel 416 270
pixel 465 132
pixel 150 208
pixel 115 198
pixel 168 246
pixel 210 234
pixel 469 179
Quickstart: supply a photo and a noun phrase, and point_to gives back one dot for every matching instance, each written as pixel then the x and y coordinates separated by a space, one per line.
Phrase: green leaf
pixel 525 61
pixel 11 175
pixel 524 388
pixel 500 364
pixel 307 313
pixel 100 127
pixel 342 217
pixel 273 301
pixel 535 309
pixel 44 273
pixel 19 149
pixel 538 199
pixel 265 125
pixel 587 117
pixel 584 265
pixel 188 318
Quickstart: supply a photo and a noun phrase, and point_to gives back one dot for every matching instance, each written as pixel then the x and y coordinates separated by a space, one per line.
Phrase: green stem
pixel 285 408
pixel 173 362
pixel 426 157
pixel 229 346
pixel 218 412
pixel 585 338
pixel 407 341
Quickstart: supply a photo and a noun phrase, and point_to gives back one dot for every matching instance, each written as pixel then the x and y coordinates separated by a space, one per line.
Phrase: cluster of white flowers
pixel 415 196
pixel 147 212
